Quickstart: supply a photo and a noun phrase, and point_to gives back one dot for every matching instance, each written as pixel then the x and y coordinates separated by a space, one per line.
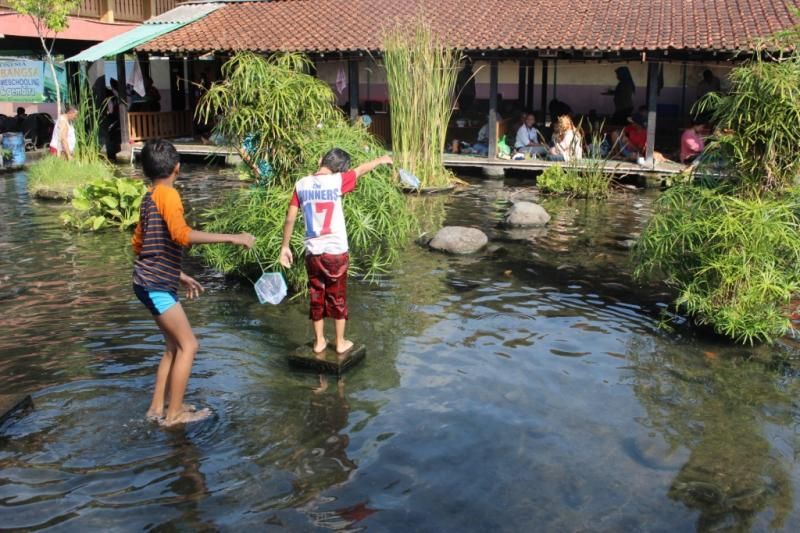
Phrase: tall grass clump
pixel 421 74
pixel 87 124
pixel 270 102
pixel 735 262
pixel 55 178
pixel 379 222
pixel 585 181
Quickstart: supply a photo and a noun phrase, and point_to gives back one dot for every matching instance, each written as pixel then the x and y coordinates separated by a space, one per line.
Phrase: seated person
pixel 633 141
pixel 529 139
pixel 567 141
pixel 693 142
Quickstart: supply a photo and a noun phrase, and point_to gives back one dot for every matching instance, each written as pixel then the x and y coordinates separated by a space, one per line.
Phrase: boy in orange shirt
pixel 158 243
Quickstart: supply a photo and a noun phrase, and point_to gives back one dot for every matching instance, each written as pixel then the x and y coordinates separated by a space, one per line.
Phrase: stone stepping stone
pixel 328 362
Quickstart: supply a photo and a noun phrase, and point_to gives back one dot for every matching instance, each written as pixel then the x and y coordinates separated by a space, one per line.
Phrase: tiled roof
pixel 607 25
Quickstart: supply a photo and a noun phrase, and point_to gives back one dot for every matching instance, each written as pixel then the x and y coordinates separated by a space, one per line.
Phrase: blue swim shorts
pixel 157 302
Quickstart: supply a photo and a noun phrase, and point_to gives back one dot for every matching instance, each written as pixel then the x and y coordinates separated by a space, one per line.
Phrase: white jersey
pixel 319 198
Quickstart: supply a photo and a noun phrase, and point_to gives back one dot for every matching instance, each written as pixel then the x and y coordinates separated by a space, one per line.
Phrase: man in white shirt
pixel 529 139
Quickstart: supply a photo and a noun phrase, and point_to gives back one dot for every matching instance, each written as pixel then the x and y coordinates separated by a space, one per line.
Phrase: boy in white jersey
pixel 327 260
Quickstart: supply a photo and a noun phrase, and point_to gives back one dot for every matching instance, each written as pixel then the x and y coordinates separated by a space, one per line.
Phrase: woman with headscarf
pixel 623 95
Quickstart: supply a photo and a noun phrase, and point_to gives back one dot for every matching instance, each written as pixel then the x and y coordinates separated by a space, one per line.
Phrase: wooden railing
pixel 165 125
pixel 130 10
pixel 123 10
pixel 162 6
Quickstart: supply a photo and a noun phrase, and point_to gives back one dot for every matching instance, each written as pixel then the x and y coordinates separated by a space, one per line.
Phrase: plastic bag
pixel 271 288
pixel 409 179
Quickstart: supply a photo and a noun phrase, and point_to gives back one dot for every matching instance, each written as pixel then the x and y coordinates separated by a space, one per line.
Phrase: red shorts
pixel 327 283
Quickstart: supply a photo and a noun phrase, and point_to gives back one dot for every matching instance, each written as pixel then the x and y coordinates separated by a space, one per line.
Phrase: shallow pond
pixel 528 388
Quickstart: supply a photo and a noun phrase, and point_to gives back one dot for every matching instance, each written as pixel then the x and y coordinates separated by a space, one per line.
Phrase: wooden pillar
pixel 555 81
pixel 493 82
pixel 149 9
pixel 652 105
pixel 544 88
pixel 352 87
pixel 684 74
pixel 107 10
pixel 531 77
pixel 521 83
pixel 123 102
pixel 187 89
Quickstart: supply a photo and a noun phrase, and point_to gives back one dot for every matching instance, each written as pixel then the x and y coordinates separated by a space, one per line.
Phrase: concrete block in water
pixel 11 404
pixel 327 362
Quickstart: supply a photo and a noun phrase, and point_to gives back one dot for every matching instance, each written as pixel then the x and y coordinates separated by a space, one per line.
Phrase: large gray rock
pixel 458 240
pixel 527 214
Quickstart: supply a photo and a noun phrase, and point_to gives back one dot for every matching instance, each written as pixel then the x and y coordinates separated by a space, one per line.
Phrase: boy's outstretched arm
pixel 202 237
pixel 286 258
pixel 363 168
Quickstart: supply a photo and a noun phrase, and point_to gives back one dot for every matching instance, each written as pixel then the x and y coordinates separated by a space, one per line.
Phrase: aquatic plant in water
pixel 106 202
pixel 421 74
pixel 56 178
pixel 586 181
pixel 379 222
pixel 735 262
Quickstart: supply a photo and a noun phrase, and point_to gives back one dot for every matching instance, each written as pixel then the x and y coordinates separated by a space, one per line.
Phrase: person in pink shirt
pixel 693 142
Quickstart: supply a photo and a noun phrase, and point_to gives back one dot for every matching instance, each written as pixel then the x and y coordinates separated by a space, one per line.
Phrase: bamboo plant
pixel 421 74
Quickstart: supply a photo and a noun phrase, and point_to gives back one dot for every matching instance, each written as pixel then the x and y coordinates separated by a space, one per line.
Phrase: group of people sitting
pixel 567 142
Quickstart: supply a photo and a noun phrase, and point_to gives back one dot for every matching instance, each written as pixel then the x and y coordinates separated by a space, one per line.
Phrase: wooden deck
pixel 617 168
pixel 194 148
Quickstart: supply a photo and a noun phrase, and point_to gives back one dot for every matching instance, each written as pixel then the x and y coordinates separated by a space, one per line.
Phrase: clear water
pixel 527 389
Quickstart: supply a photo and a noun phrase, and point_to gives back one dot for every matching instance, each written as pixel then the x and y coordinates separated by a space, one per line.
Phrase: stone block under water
pixel 327 362
pixel 11 404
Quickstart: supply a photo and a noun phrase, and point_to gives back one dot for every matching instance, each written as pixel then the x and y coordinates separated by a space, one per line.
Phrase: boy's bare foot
pixel 344 346
pixel 153 414
pixel 185 417
pixel 320 346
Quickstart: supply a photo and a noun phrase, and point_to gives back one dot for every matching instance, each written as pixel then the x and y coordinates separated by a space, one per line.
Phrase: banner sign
pixel 22 81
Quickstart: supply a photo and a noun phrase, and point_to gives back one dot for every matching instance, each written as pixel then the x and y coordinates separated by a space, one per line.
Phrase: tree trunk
pixel 52 65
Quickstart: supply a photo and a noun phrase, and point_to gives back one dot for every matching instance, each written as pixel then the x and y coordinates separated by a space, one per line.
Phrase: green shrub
pixel 270 104
pixel 379 222
pixel 106 202
pixel 57 178
pixel 588 181
pixel 734 261
pixel 758 124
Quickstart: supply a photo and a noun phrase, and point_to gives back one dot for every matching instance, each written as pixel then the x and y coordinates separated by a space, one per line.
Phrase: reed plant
pixel 421 74
pixel 87 124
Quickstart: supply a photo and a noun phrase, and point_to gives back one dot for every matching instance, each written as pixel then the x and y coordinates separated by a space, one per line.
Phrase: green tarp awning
pixel 126 41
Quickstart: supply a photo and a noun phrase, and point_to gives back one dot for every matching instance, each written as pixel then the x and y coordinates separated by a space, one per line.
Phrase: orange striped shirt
pixel 159 239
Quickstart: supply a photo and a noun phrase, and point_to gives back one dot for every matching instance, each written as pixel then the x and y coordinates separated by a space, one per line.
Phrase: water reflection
pixel 722 409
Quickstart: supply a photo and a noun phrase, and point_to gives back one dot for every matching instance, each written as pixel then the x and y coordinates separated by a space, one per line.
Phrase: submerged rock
pixel 527 214
pixel 458 240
